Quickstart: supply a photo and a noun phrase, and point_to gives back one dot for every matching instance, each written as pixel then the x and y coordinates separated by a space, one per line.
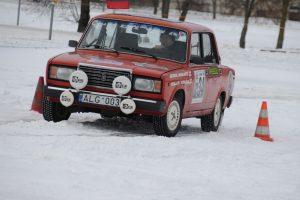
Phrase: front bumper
pixel 143 106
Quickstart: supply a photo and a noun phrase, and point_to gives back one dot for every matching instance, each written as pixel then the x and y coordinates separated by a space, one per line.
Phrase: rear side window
pixel 208 50
pixel 202 47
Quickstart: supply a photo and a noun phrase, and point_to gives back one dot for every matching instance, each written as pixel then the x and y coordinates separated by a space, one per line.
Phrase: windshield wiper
pixel 139 51
pixel 97 46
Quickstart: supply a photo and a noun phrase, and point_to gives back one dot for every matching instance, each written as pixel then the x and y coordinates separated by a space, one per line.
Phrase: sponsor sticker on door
pixel 199 86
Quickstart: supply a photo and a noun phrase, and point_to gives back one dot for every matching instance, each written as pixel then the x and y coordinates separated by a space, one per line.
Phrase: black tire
pixel 161 125
pixel 210 122
pixel 53 111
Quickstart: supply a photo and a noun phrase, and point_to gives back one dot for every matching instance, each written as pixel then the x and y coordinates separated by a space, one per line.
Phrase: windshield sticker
pixel 182 74
pixel 182 82
pixel 123 26
pixel 181 33
pixel 145 26
pixel 199 86
pixel 105 61
pixel 147 65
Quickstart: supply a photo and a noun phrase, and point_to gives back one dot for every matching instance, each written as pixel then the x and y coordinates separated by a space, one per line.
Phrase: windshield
pixel 137 38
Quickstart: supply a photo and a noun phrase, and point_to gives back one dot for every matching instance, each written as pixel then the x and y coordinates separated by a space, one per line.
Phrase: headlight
pixel 61 73
pixel 147 85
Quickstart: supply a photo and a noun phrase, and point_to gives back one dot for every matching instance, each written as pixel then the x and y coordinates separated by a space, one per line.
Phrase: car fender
pixel 226 86
pixel 173 84
pixel 175 90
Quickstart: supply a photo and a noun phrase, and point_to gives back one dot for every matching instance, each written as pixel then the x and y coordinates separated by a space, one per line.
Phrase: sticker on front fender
pixel 99 99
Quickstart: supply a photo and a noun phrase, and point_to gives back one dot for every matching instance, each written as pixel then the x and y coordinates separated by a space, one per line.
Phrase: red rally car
pixel 126 65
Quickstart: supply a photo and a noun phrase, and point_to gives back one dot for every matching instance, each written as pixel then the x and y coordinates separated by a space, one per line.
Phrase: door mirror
pixel 73 43
pixel 197 60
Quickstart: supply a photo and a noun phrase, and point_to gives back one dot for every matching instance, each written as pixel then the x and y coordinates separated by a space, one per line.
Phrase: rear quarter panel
pixel 226 83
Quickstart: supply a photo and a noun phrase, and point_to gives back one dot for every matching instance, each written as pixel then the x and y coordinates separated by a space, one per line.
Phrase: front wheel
pixel 213 121
pixel 169 124
pixel 53 111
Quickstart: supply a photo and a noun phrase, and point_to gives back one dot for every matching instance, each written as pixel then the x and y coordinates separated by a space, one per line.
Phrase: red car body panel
pixel 175 76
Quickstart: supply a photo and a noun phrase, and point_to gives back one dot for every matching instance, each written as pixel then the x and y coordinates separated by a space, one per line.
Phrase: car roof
pixel 187 26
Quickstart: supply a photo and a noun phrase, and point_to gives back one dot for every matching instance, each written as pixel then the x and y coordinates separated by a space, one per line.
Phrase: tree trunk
pixel 249 5
pixel 284 14
pixel 84 15
pixel 185 9
pixel 214 4
pixel 165 8
pixel 155 5
pixel 244 32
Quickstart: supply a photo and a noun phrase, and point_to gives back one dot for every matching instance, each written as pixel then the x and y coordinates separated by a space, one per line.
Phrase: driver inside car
pixel 168 48
pixel 166 40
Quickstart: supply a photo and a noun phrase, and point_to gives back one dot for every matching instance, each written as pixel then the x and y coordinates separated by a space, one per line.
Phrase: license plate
pixel 99 99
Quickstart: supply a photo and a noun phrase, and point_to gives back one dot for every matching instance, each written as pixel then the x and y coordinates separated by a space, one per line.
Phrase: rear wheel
pixel 169 124
pixel 213 121
pixel 53 111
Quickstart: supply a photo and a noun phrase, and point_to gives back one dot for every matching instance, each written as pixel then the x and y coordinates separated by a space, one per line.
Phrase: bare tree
pixel 284 14
pixel 248 6
pixel 185 8
pixel 214 5
pixel 155 5
pixel 165 8
pixel 232 7
pixel 84 15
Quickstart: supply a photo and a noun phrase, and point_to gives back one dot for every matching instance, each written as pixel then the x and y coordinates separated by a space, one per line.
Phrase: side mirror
pixel 197 60
pixel 73 43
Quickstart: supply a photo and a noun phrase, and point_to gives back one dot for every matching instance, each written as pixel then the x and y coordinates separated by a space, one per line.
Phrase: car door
pixel 205 72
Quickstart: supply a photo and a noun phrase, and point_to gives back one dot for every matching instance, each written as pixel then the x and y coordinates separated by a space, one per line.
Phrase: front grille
pixel 102 77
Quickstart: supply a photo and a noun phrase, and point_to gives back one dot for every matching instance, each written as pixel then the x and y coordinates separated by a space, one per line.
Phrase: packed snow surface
pixel 88 157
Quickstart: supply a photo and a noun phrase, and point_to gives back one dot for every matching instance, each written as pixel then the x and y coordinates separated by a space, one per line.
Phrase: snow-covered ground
pixel 92 158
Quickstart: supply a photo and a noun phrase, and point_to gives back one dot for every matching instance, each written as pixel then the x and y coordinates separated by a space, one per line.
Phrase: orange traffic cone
pixel 262 129
pixel 38 96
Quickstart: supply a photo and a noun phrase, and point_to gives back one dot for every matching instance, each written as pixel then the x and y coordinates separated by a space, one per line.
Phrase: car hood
pixel 139 65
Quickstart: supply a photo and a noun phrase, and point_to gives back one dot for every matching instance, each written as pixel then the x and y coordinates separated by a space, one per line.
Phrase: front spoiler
pixel 143 106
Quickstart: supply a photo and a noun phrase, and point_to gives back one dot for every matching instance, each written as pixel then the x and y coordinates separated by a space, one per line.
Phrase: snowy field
pixel 92 158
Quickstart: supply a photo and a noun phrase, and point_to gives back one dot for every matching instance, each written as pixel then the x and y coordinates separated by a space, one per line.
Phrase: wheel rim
pixel 217 112
pixel 173 115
